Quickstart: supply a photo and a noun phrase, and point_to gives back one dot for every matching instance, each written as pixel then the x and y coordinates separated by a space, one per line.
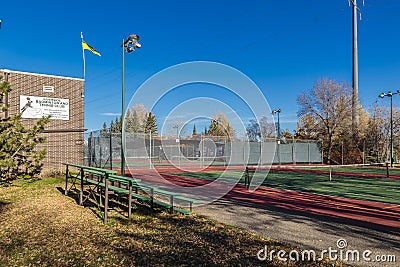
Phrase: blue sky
pixel 283 48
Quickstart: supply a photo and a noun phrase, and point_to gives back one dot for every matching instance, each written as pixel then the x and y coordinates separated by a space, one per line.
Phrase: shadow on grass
pixel 117 203
pixel 189 241
pixel 2 205
pixel 160 239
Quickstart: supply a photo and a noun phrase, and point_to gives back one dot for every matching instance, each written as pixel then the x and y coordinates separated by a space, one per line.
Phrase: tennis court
pixel 363 183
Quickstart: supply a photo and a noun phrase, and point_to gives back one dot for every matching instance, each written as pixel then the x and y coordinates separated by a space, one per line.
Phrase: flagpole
pixel 84 60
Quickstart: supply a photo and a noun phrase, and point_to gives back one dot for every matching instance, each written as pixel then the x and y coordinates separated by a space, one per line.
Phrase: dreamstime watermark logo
pixel 241 94
pixel 338 253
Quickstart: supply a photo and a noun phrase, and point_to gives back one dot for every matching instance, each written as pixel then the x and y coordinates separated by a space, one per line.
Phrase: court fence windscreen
pixel 145 150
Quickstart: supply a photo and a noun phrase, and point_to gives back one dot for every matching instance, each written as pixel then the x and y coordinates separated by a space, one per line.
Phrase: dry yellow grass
pixel 39 226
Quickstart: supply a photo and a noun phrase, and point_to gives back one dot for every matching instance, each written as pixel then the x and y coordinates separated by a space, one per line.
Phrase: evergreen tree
pixel 151 124
pixel 5 88
pixel 213 130
pixel 136 123
pixel 104 131
pixel 19 157
pixel 129 122
pixel 112 127
pixel 135 120
pixel 118 124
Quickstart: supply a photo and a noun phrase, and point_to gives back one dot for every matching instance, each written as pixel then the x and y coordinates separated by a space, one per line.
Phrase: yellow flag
pixel 85 46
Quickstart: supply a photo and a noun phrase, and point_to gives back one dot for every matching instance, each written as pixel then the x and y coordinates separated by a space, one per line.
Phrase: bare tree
pixel 306 128
pixel 378 133
pixel 260 130
pixel 328 106
pixel 253 130
pixel 139 117
pixel 267 128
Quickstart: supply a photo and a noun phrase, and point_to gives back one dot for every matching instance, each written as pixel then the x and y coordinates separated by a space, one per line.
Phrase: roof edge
pixel 40 74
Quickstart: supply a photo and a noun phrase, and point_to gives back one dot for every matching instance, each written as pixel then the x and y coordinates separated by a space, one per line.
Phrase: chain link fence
pixel 103 149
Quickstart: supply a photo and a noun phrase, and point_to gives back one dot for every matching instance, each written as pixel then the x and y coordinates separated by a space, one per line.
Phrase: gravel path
pixel 305 231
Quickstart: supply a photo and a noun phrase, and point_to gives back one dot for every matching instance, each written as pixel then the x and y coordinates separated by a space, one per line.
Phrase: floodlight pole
pixel 278 111
pixel 391 131
pixel 279 127
pixel 177 130
pixel 130 44
pixel 123 110
pixel 390 95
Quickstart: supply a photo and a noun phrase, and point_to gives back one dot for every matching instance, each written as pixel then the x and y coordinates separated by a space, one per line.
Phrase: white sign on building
pixel 36 107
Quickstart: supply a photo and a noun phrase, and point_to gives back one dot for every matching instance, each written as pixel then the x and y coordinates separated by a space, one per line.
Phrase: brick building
pixel 37 95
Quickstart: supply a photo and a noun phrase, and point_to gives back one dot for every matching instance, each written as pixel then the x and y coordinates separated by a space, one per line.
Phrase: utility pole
pixel 355 99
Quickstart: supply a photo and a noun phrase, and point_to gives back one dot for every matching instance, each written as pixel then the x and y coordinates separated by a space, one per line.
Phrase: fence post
pixel 90 156
pixel 342 153
pixel 94 151
pixel 150 154
pixel 101 154
pixel 244 154
pixel 293 151
pixel 179 152
pixel 111 159
pixel 202 151
pixel 246 178
pixel 364 152
pixel 279 152
pixel 322 151
pixel 387 169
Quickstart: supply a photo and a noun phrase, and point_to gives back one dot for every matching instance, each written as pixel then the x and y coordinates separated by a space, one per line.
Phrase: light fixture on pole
pixel 390 95
pixel 278 111
pixel 129 46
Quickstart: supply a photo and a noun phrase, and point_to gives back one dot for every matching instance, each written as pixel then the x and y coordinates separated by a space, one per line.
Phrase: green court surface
pixel 364 188
pixel 363 170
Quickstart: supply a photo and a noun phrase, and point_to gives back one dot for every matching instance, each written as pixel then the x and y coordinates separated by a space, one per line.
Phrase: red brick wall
pixel 65 138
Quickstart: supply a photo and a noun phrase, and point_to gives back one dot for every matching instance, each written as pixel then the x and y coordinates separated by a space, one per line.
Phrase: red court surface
pixel 361 212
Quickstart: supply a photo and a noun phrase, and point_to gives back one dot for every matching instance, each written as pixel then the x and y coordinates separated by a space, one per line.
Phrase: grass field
pixel 372 189
pixel 39 226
